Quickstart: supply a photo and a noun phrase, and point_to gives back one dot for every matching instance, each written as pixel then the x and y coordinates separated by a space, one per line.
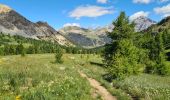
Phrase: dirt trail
pixel 99 89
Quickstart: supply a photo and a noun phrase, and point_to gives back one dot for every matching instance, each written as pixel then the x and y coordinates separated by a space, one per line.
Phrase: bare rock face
pixel 13 23
pixel 164 24
pixel 44 29
pixel 98 37
pixel 142 23
pixel 88 38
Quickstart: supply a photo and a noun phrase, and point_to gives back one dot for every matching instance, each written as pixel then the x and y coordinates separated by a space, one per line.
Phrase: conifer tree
pixel 122 57
pixel 1 51
pixel 166 38
pixel 21 50
pixel 157 56
pixel 6 50
pixel 58 55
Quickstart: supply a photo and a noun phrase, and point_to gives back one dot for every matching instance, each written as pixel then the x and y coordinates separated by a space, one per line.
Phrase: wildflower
pixel 1 61
pixel 18 97
pixel 62 68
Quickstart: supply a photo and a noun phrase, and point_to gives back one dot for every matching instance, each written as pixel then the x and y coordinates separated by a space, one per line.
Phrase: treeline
pixel 11 45
pixel 133 52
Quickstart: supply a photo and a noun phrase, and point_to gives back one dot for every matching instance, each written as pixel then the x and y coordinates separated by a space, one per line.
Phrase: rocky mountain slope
pixel 13 23
pixel 142 23
pixel 160 26
pixel 98 37
pixel 86 37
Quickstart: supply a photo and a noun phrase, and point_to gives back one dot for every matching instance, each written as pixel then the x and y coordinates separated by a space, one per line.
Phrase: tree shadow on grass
pixel 54 62
pixel 97 64
pixel 106 76
pixel 168 56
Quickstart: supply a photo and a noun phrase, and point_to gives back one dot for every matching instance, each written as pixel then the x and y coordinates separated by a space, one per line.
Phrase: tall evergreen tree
pixel 6 50
pixel 166 38
pixel 1 51
pixel 21 50
pixel 122 57
pixel 157 55
pixel 58 55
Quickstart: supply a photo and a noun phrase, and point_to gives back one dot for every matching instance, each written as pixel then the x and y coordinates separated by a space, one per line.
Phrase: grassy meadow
pixel 37 77
pixel 142 86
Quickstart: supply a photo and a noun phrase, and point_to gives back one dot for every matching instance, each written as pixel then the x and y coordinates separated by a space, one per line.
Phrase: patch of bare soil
pixel 102 91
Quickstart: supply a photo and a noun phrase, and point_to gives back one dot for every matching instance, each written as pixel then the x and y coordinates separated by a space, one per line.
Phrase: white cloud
pixel 90 11
pixel 102 1
pixel 72 24
pixel 163 1
pixel 138 14
pixel 165 10
pixel 142 1
pixel 166 15
pixel 149 1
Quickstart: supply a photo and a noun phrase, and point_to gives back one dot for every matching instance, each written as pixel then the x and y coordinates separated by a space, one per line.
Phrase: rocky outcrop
pixel 13 23
pixel 142 23
pixel 86 37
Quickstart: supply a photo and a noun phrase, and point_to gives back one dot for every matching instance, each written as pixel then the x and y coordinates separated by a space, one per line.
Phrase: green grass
pixel 168 64
pixel 144 86
pixel 36 77
pixel 97 72
pixel 167 50
pixel 147 87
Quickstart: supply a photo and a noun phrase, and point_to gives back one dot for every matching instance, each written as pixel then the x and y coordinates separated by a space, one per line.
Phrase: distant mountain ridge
pixel 13 23
pixel 98 37
pixel 164 24
pixel 86 37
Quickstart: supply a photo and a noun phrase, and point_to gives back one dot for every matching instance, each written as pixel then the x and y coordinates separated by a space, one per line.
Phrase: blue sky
pixel 87 13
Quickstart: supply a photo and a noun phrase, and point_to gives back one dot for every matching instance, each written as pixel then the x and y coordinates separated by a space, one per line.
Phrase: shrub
pixel 58 55
pixel 157 56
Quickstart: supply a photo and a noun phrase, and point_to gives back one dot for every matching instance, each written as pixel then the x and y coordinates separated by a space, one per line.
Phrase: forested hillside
pixel 13 45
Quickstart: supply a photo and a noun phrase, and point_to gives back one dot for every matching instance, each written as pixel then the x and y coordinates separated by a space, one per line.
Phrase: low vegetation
pixel 11 45
pixel 41 78
pixel 142 86
pixel 131 53
pixel 133 66
pixel 145 86
pixel 35 77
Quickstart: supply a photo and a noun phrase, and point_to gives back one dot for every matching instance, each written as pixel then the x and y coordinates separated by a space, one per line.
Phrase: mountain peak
pixel 143 18
pixel 142 23
pixel 4 8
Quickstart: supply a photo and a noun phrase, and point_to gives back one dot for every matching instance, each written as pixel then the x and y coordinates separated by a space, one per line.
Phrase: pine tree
pixel 31 50
pixel 122 57
pixel 6 50
pixel 58 55
pixel 1 51
pixel 157 56
pixel 166 38
pixel 21 50
pixel 12 49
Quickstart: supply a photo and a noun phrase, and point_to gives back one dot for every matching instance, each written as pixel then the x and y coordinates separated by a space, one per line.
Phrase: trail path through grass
pixel 99 89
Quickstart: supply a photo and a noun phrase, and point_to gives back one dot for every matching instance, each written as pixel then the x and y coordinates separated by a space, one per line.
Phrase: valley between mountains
pixel 13 23
pixel 128 59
